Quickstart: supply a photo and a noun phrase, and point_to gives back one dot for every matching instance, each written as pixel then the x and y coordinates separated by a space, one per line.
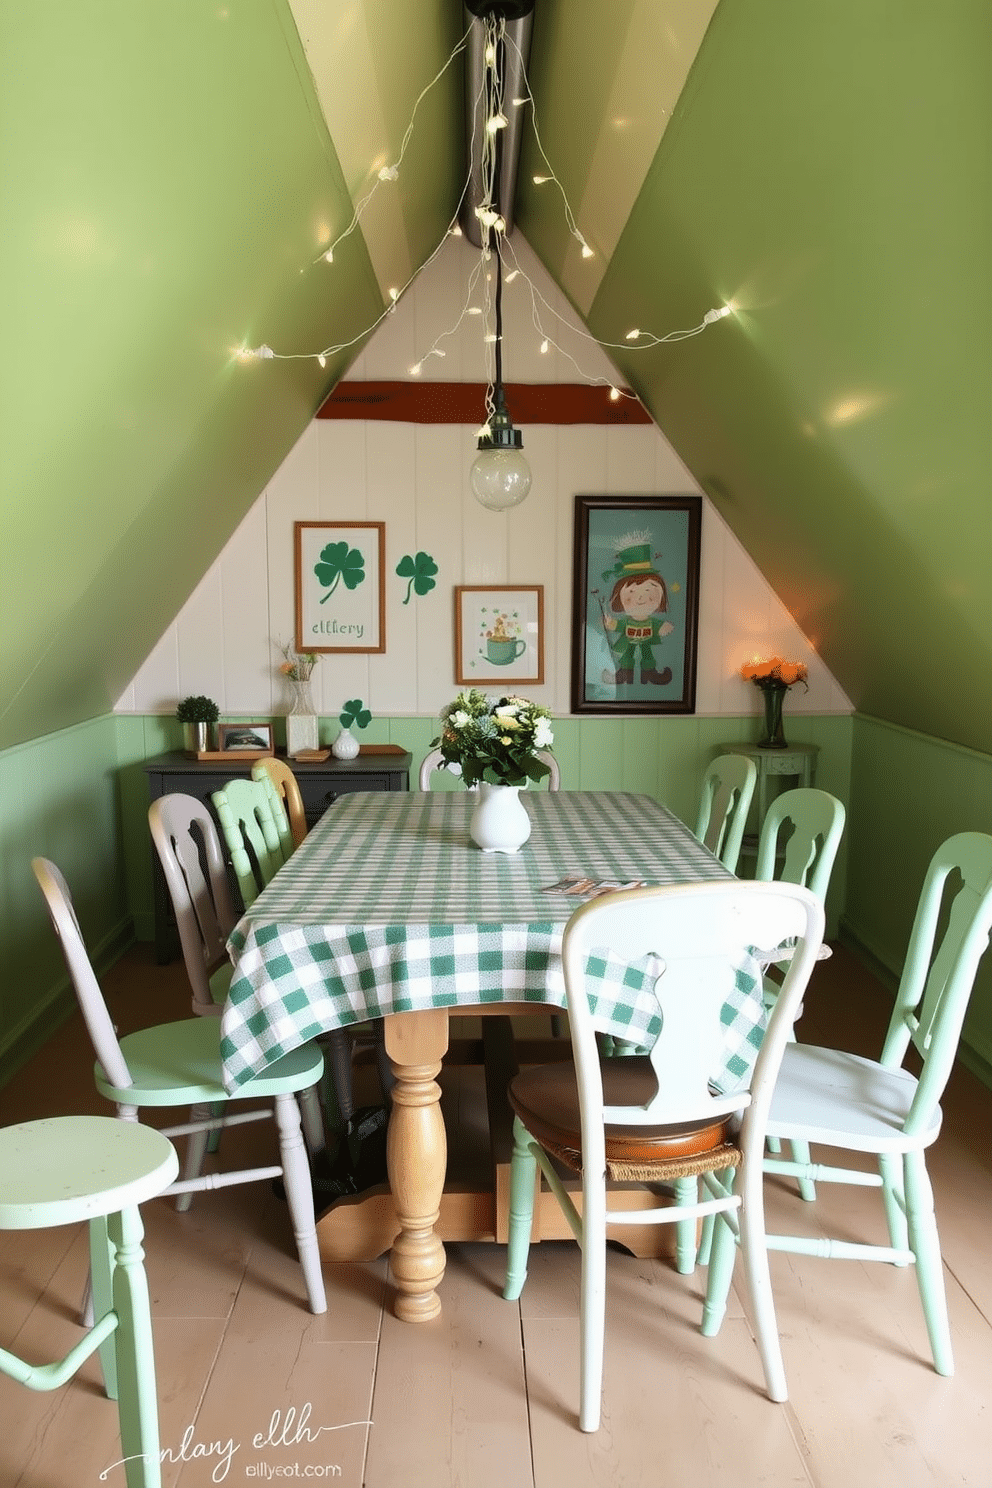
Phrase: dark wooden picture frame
pixel 635 603
pixel 345 563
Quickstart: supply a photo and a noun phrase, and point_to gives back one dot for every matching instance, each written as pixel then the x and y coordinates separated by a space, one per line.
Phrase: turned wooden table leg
pixel 416 1157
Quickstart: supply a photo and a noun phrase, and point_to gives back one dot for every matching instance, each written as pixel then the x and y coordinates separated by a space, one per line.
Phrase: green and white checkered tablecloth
pixel 388 907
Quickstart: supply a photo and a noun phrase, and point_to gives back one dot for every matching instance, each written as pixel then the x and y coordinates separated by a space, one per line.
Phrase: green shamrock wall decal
pixel 337 562
pixel 419 571
pixel 355 712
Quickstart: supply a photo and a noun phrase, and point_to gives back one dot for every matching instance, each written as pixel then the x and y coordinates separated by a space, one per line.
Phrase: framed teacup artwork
pixel 635 602
pixel 499 634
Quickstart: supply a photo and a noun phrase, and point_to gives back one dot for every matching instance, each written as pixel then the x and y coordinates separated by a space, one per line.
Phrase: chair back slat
pixel 725 800
pixel 803 828
pixel 250 818
pixel 949 937
pixel 286 787
pixel 99 1024
pixel 189 851
pixel 701 936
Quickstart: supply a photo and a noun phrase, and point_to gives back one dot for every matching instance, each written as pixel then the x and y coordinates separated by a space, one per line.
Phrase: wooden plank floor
pixel 251 1384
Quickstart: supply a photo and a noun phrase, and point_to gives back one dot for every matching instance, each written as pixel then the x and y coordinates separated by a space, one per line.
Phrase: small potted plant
pixel 197 716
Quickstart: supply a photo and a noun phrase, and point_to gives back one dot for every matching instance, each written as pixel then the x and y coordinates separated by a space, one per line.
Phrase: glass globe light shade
pixel 500 478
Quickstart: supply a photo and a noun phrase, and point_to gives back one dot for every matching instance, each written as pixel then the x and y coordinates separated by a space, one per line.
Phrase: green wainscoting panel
pixel 909 792
pixel 59 798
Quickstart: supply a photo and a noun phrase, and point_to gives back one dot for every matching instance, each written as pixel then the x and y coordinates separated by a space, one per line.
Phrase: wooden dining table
pixel 387 909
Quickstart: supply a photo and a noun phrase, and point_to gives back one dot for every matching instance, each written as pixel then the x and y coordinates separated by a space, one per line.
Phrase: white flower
pixel 459 719
pixel 542 734
pixel 454 767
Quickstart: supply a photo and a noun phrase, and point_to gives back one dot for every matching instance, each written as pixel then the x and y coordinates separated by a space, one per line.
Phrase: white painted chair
pixel 728 786
pixel 192 862
pixel 179 1064
pixel 877 1106
pixel 657 1118
pixel 287 788
pixel 69 1169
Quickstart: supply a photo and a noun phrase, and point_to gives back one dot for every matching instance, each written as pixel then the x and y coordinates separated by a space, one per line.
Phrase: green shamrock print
pixel 419 571
pixel 337 562
pixel 355 712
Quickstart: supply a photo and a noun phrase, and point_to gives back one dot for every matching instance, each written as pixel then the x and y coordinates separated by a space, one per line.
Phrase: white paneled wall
pixel 414 477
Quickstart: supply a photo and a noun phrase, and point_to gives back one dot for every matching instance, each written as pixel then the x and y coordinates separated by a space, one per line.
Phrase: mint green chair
pixel 879 1107
pixel 277 774
pixel 724 802
pixel 655 1119
pixel 799 839
pixel 69 1169
pixel 257 833
pixel 179 1064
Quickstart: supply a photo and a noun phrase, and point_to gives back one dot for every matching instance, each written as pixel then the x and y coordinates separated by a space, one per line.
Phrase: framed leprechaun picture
pixel 635 604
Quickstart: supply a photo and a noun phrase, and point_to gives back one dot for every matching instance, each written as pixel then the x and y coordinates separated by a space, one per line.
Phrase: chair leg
pixel 592 1316
pixel 890 1166
pixel 337 1045
pixel 312 1120
pixel 719 1242
pixel 523 1177
pixel 101 1297
pixel 299 1198
pixel 196 1146
pixel 754 1253
pixel 801 1154
pixel 137 1402
pixel 686 1193
pixel 925 1244
pixel 213 1138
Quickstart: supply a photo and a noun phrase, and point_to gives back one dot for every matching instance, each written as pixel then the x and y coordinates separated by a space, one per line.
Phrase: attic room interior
pixel 244 295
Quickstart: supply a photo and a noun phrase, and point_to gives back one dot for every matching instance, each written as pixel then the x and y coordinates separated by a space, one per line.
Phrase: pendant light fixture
pixel 500 474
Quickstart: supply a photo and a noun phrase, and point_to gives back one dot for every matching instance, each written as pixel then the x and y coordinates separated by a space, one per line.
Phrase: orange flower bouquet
pixel 774 677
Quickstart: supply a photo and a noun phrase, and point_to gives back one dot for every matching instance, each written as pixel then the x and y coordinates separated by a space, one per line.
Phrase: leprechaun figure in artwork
pixel 640 597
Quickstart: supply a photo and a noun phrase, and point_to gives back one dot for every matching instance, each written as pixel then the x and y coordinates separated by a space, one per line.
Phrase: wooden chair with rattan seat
pixel 663 1117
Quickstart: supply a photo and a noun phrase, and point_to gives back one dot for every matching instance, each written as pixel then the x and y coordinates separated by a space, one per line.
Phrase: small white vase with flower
pixel 302 731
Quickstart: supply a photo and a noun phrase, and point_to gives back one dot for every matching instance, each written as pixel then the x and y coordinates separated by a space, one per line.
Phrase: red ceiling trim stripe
pixel 465 402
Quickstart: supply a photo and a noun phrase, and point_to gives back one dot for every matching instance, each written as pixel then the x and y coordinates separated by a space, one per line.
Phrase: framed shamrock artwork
pixel 635 601
pixel 340 589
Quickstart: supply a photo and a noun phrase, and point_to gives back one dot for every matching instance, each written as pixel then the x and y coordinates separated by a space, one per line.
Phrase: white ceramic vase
pixel 499 822
pixel 345 746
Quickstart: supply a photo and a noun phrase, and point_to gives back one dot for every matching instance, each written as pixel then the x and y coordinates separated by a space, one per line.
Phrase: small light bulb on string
pixel 509 278
pixel 321 359
pixel 415 369
pixel 388 173
pixel 541 180
pixel 544 347
pixel 329 256
pixel 614 395
pixel 633 335
pixel 498 121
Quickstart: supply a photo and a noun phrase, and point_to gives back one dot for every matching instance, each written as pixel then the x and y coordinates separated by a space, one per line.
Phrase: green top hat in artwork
pixel 633 557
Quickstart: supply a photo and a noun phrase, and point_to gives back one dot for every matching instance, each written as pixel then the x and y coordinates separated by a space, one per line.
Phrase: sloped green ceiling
pixel 169 180
pixel 828 170
pixel 168 183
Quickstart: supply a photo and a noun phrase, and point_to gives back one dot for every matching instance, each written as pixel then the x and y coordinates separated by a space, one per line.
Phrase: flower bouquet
pixel 494 741
pixel 774 677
